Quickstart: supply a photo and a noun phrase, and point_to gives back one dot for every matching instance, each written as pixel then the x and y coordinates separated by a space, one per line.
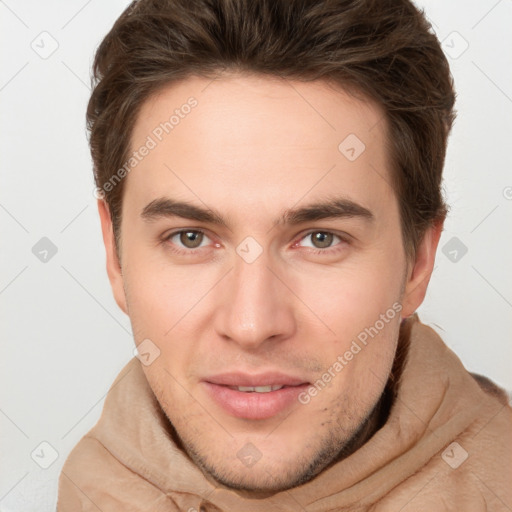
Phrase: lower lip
pixel 253 405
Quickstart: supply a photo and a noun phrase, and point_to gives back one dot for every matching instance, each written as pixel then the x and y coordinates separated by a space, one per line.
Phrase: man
pixel 268 177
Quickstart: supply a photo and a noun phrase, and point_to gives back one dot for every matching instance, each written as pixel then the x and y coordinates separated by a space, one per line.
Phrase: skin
pixel 252 148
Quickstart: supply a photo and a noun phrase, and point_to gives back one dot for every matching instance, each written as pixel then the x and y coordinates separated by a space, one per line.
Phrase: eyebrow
pixel 329 209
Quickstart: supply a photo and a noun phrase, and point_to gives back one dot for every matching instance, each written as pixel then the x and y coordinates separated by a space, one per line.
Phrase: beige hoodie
pixel 446 446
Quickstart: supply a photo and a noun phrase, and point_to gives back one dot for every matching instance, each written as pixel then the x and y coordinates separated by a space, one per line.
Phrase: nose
pixel 255 306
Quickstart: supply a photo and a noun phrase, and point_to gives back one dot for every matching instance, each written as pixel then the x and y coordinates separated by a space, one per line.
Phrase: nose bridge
pixel 254 306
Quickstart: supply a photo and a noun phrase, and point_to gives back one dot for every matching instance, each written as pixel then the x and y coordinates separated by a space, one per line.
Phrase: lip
pixel 261 379
pixel 254 405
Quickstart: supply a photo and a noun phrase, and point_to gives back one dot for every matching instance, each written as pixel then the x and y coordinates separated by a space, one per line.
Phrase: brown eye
pixel 321 239
pixel 320 242
pixel 188 242
pixel 191 239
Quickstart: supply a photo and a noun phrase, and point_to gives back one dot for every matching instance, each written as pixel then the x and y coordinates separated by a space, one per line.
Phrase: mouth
pixel 254 397
pixel 256 389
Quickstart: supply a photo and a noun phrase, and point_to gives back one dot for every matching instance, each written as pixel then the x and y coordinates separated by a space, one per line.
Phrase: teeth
pixel 257 389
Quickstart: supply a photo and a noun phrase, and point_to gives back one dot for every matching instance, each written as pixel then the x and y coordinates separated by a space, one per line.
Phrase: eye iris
pixel 322 239
pixel 191 239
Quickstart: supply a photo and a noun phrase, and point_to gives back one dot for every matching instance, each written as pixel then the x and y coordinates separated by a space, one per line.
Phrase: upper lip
pixel 261 379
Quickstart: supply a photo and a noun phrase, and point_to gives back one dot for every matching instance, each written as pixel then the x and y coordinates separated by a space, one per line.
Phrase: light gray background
pixel 64 339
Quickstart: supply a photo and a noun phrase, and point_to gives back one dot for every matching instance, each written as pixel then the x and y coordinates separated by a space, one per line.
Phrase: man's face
pixel 265 298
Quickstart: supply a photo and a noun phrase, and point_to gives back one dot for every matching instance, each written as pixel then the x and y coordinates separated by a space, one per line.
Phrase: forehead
pixel 321 106
pixel 249 130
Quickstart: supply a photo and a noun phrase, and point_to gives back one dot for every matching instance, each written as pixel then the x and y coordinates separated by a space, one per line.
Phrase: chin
pixel 266 479
pixel 278 468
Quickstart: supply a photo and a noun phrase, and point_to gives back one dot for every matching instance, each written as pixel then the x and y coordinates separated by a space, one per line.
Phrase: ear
pixel 114 272
pixel 421 270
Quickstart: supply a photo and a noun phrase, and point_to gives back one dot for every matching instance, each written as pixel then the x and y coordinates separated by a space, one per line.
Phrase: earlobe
pixel 113 266
pixel 421 271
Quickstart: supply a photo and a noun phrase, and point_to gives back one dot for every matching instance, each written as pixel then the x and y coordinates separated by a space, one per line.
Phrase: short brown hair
pixel 384 49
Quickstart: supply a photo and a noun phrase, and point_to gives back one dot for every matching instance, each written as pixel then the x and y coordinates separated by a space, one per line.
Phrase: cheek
pixel 166 305
pixel 159 295
pixel 354 295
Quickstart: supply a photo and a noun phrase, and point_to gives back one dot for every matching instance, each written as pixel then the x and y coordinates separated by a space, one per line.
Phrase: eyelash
pixel 192 252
